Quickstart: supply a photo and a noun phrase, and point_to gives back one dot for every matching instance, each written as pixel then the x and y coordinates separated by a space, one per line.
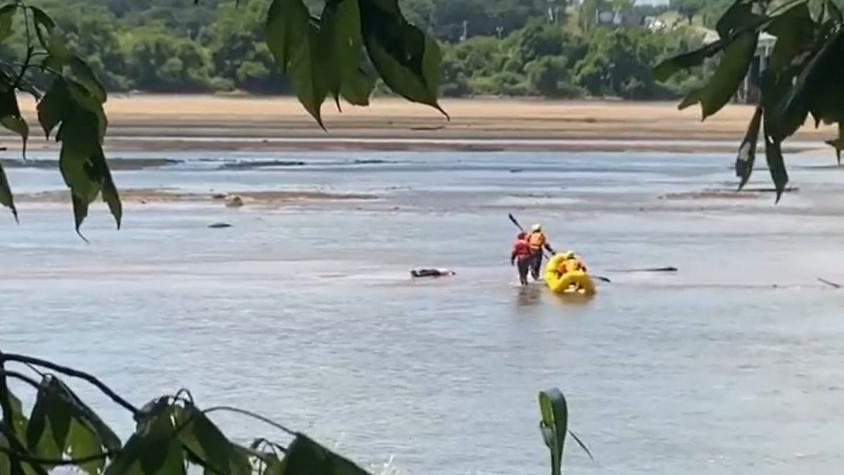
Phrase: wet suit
pixel 521 256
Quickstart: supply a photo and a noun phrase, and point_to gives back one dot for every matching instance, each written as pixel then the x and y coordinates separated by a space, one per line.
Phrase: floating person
pixel 419 273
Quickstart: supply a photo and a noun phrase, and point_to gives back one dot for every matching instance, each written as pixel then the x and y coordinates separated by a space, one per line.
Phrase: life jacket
pixel 521 248
pixel 571 265
pixel 536 240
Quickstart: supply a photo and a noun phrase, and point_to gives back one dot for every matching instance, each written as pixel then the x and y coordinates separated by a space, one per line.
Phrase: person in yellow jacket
pixel 571 262
pixel 537 242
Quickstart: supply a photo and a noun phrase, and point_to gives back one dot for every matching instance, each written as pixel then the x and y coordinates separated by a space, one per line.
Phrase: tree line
pixel 497 47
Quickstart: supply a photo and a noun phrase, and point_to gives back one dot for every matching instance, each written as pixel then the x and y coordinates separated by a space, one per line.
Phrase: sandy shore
pixel 155 122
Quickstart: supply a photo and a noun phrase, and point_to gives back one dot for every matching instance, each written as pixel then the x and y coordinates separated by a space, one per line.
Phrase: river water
pixel 306 313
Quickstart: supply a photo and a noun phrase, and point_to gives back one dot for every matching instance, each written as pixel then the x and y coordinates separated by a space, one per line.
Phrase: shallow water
pixel 306 314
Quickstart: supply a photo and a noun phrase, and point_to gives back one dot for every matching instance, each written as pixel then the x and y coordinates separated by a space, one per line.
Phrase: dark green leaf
pixel 730 73
pixel 210 445
pixel 5 466
pixel 82 442
pixel 795 33
pixel 832 13
pixel 87 79
pixel 109 193
pixel 554 425
pixel 340 42
pixel 59 54
pixel 747 149
pixel 153 449
pixel 738 17
pixel 59 417
pixel 664 70
pixel 776 164
pixel 82 98
pixel 10 115
pixel 6 197
pixel 838 143
pixel 61 423
pixel 357 88
pixel 19 421
pixel 53 105
pixel 406 59
pixel 293 42
pixel 7 15
pixel 306 457
pixel 812 77
pixel 83 163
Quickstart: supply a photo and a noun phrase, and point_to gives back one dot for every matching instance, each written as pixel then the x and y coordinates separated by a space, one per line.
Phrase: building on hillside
pixel 618 18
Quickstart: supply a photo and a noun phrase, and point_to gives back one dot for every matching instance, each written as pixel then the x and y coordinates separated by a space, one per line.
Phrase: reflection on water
pixel 529 295
pixel 308 315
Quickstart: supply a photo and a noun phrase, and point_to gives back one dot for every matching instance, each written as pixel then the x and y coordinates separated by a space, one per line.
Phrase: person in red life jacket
pixel 521 257
pixel 537 242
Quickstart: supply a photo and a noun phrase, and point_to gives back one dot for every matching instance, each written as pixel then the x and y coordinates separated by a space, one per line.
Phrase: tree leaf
pixel 82 442
pixel 83 75
pixel 6 197
pixel 83 163
pixel 19 421
pixel 210 445
pixel 730 73
pixel 747 150
pixel 776 164
pixel 795 33
pixel 838 143
pixel 406 59
pixel 307 457
pixel 7 16
pixel 293 42
pixel 340 42
pixel 59 54
pixel 10 115
pixel 153 449
pixel 53 105
pixel 357 88
pixel 808 82
pixel 554 425
pixel 832 13
pixel 738 17
pixel 109 192
pixel 664 70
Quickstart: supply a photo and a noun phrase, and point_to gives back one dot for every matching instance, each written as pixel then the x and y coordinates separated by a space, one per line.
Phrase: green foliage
pixel 172 435
pixel 803 77
pixel 554 425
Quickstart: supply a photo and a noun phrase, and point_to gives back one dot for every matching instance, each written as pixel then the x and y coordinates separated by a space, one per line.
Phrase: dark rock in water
pixel 219 196
pixel 516 170
pixel 370 161
pixel 219 225
pixel 261 164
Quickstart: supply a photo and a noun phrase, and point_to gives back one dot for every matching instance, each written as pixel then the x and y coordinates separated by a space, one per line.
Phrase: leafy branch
pixel 803 76
pixel 171 434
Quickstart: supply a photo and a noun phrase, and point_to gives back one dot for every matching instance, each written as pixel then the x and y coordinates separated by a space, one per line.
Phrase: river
pixel 306 313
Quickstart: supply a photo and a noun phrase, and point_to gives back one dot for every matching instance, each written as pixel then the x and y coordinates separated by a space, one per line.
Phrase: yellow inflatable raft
pixel 572 281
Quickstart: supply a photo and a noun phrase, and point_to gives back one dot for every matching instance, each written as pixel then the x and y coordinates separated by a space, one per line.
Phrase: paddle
pixel 516 222
pixel 647 269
